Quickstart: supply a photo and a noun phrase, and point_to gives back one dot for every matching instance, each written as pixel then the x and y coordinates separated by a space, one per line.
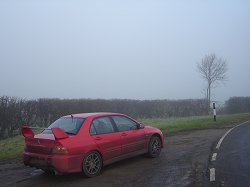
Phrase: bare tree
pixel 214 71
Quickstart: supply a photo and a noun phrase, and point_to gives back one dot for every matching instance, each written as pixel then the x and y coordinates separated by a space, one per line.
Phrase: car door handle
pixel 124 134
pixel 98 138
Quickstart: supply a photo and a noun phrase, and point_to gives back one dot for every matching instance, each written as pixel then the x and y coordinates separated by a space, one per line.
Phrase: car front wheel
pixel 154 148
pixel 92 164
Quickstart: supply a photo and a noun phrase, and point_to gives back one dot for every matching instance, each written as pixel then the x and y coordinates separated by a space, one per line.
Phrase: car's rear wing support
pixel 58 132
pixel 27 132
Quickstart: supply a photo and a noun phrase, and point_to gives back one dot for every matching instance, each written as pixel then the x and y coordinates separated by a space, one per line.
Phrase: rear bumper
pixel 60 163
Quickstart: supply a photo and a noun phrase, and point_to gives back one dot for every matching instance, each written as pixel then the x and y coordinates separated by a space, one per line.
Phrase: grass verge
pixel 12 148
pixel 174 125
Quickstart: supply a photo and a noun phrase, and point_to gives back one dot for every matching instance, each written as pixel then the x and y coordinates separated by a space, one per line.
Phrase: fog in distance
pixel 121 49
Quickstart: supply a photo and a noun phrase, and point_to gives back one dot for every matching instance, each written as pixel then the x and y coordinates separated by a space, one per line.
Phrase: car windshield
pixel 68 125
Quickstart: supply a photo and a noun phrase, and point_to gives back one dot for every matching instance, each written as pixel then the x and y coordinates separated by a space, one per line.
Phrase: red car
pixel 87 142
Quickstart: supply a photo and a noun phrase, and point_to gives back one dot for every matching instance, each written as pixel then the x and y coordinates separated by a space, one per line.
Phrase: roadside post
pixel 214 109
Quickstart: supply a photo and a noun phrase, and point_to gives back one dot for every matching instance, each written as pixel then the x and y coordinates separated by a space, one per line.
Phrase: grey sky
pixel 121 49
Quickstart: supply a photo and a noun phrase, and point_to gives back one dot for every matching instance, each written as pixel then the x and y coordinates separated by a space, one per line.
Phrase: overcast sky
pixel 131 49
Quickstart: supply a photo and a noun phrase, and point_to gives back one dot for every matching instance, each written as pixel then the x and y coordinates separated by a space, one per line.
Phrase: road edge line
pixel 212 170
pixel 223 137
pixel 212 174
pixel 214 157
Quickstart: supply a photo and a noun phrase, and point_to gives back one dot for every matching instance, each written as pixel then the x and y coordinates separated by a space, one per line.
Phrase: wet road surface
pixel 232 166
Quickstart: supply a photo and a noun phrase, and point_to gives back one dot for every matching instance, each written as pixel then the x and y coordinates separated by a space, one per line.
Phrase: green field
pixel 12 148
pixel 173 125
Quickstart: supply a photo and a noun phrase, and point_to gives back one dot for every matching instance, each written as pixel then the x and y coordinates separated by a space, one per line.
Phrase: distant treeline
pixel 14 112
pixel 237 105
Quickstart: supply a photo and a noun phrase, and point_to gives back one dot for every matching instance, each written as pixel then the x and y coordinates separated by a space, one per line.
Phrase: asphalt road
pixel 232 167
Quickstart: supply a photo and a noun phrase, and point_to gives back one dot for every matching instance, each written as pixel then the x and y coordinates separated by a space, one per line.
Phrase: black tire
pixel 154 147
pixel 92 164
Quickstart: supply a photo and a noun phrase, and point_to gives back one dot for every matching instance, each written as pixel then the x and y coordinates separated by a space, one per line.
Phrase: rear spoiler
pixel 28 132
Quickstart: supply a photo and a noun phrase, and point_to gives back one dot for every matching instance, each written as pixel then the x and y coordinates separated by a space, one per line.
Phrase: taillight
pixel 59 150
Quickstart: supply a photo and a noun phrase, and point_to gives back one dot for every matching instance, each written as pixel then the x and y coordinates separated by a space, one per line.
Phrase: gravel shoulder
pixel 183 162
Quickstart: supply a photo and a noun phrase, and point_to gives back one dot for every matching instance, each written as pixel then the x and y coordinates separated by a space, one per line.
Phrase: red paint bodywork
pixel 39 149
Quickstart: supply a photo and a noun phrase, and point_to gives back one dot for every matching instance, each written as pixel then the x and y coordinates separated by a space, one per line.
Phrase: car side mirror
pixel 141 126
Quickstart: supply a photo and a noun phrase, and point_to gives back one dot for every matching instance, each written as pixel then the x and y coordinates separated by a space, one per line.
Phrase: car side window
pixel 101 125
pixel 124 124
pixel 92 130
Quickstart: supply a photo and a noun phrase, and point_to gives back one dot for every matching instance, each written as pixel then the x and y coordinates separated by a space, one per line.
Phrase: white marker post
pixel 214 111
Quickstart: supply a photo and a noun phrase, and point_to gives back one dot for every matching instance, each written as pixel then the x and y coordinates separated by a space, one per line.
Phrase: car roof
pixel 93 114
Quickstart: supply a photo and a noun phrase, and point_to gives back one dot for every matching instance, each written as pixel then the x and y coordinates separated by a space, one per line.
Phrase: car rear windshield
pixel 68 125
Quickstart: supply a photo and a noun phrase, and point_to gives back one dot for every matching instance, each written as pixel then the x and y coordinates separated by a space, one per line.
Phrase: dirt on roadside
pixel 183 162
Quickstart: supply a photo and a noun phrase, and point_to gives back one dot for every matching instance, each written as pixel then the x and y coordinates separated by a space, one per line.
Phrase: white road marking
pixel 212 174
pixel 222 138
pixel 212 170
pixel 214 157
